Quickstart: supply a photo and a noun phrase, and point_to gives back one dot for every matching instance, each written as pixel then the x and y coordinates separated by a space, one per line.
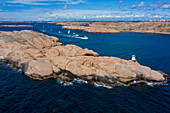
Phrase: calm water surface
pixel 18 93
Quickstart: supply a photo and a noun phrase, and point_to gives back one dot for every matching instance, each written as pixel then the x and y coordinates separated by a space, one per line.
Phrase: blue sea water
pixel 18 93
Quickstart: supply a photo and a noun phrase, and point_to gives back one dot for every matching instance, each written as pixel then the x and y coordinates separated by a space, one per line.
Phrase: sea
pixel 21 94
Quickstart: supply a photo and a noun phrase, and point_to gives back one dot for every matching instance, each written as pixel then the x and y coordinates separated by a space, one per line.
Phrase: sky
pixel 84 10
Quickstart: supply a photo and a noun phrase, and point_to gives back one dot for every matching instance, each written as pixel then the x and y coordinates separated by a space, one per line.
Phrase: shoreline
pixel 81 29
pixel 98 84
pixel 148 33
pixel 163 33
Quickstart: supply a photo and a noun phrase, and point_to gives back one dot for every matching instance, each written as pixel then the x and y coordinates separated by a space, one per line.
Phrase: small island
pixel 159 27
pixel 16 26
pixel 41 57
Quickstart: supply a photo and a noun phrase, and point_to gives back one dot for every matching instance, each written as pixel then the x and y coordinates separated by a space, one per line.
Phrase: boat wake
pixel 69 35
pixel 73 36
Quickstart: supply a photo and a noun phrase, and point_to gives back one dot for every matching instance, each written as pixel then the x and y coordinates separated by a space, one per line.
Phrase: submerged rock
pixel 41 57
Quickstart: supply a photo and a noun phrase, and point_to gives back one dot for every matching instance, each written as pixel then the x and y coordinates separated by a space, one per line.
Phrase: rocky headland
pixel 41 57
pixel 117 27
pixel 16 26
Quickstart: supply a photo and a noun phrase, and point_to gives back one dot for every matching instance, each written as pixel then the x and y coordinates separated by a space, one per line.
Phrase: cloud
pixel 161 5
pixel 65 7
pixel 157 5
pixel 29 2
pixel 120 2
pixel 166 6
pixel 74 1
pixel 45 14
pixel 46 2
pixel 141 5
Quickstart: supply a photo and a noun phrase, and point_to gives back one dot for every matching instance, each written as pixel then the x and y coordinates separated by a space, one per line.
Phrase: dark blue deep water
pixel 20 94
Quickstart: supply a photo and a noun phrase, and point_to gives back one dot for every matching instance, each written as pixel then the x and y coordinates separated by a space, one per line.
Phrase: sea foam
pixel 80 81
pixel 64 84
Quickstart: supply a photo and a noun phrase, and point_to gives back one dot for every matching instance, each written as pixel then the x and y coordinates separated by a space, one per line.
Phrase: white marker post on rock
pixel 134 58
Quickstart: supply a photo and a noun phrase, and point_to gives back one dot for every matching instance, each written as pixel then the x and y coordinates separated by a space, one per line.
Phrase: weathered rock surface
pixel 116 27
pixel 41 57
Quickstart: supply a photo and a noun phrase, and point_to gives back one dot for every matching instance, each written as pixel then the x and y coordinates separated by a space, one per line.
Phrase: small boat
pixel 76 35
pixel 85 37
pixel 59 32
pixel 68 31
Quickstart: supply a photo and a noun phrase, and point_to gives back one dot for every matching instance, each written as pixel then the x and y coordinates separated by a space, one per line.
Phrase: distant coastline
pixel 157 27
pixel 16 26
pixel 153 27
